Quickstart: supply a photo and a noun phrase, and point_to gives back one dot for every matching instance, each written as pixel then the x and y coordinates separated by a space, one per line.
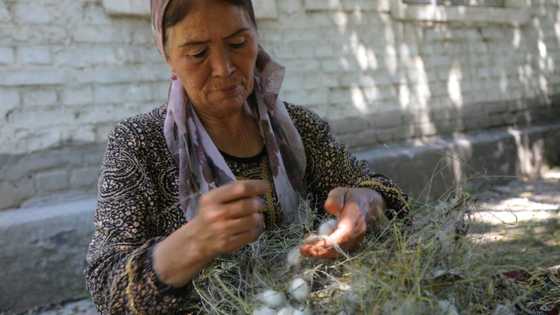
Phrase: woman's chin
pixel 230 104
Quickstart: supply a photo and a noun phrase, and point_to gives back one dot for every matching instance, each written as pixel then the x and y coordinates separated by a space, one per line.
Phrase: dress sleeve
pixel 331 165
pixel 119 271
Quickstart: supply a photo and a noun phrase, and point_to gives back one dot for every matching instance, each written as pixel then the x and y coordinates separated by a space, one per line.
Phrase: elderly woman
pixel 223 160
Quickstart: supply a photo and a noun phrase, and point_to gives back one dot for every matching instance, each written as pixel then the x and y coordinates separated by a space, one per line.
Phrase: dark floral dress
pixel 137 206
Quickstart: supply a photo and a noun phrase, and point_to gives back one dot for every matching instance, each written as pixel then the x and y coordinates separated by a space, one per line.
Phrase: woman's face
pixel 213 50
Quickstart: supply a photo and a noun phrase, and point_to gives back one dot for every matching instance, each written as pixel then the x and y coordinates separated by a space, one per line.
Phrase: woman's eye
pixel 199 55
pixel 238 43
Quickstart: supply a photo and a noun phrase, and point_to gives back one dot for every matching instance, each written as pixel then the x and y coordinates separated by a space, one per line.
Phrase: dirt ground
pixel 521 218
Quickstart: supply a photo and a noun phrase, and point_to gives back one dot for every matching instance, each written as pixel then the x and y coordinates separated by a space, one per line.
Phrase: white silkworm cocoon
pixel 351 297
pixel 326 228
pixel 264 310
pixel 272 298
pixel 351 301
pixel 294 257
pixel 447 308
pixel 302 311
pixel 287 310
pixel 299 289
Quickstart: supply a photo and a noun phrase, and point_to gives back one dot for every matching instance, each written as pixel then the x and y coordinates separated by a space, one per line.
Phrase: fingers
pixel 235 224
pixel 243 208
pixel 324 249
pixel 245 224
pixel 229 235
pixel 231 217
pixel 319 249
pixel 235 191
pixel 236 242
pixel 335 201
pixel 348 234
pixel 344 230
pixel 342 236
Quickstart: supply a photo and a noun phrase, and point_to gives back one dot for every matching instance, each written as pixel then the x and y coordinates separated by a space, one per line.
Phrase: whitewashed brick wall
pixel 70 69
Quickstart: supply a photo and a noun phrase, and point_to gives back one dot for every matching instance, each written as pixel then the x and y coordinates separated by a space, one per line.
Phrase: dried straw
pixel 428 267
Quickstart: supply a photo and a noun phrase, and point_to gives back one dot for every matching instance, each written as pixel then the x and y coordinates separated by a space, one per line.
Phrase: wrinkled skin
pixel 213 52
pixel 355 209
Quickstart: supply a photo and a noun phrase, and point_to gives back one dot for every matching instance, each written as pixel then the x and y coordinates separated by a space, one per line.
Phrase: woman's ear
pixel 168 33
pixel 170 65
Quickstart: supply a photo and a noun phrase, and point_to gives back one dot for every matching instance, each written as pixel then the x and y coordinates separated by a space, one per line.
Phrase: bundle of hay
pixel 428 267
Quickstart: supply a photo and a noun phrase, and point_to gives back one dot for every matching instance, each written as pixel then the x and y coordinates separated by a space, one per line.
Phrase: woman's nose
pixel 222 65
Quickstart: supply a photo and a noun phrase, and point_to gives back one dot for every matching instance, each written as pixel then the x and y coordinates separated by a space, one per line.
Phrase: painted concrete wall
pixel 380 71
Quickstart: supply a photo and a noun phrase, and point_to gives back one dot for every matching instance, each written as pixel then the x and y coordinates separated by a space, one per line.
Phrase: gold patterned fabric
pixel 257 168
pixel 137 206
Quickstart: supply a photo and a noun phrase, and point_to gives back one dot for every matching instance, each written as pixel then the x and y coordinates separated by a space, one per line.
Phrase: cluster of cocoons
pixel 276 303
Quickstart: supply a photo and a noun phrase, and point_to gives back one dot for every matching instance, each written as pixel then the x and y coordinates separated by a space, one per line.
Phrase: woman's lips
pixel 229 88
pixel 230 91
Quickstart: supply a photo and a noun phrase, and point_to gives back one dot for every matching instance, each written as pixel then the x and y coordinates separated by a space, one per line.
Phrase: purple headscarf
pixel 202 166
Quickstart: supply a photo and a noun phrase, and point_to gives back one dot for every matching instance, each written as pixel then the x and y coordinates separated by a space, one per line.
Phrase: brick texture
pixel 70 69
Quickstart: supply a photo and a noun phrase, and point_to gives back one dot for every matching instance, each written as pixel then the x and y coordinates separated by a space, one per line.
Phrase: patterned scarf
pixel 202 166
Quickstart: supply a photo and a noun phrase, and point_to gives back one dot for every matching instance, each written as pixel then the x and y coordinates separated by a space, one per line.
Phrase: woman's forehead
pixel 209 19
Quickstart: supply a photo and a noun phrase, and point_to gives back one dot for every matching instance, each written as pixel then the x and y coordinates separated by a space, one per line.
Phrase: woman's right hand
pixel 228 218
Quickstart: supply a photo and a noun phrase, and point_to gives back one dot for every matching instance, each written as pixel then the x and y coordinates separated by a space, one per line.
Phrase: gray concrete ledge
pixel 430 169
pixel 43 254
pixel 43 249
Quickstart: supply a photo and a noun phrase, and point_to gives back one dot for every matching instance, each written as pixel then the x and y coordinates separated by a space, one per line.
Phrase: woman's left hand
pixel 355 209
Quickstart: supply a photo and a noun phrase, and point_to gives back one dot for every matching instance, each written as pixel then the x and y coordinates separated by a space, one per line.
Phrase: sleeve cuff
pixel 154 279
pixel 141 273
pixel 395 200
